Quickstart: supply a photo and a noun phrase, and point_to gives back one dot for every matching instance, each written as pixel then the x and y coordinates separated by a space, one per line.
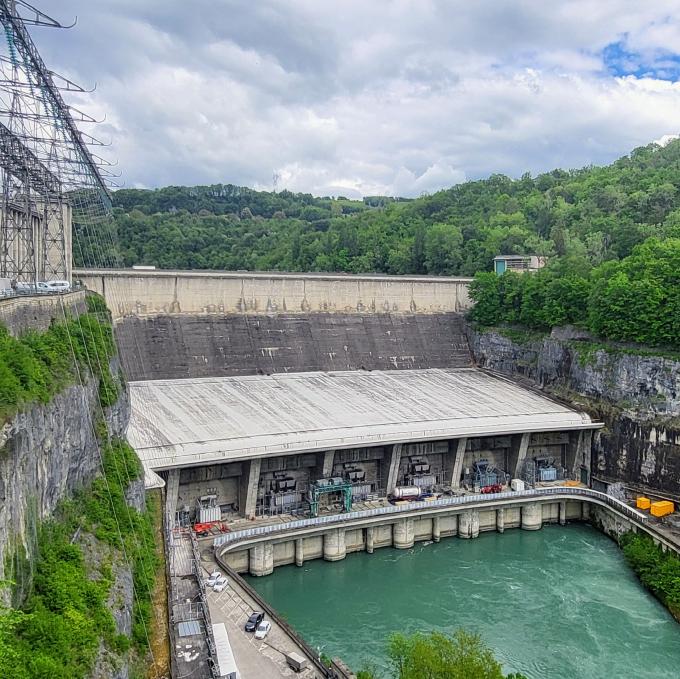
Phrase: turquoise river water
pixel 559 603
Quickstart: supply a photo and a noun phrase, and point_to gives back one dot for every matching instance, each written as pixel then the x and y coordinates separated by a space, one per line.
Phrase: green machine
pixel 327 486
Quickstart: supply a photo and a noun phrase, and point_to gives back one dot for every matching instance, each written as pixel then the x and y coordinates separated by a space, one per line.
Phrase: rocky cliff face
pixel 637 398
pixel 46 453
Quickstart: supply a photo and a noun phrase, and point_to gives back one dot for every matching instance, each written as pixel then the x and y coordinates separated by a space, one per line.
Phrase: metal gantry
pixel 48 175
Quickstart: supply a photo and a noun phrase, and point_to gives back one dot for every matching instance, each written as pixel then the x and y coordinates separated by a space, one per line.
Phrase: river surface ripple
pixel 559 603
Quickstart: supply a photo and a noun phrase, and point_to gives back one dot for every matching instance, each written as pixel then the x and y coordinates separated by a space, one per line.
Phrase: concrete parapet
pixel 334 548
pixel 261 559
pixel 403 534
pixel 532 516
pixel 153 292
pixel 468 524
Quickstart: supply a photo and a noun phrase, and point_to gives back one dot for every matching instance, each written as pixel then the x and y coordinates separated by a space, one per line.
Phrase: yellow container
pixel 662 508
pixel 643 503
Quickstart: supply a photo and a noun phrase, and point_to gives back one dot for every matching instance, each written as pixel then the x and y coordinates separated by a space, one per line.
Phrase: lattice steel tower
pixel 48 175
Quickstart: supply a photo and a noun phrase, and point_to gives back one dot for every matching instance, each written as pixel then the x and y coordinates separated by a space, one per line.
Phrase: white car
pixel 214 577
pixel 220 585
pixel 263 629
pixel 59 286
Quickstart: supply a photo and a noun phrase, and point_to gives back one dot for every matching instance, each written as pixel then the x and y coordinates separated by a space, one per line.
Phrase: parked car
pixel 220 584
pixel 58 286
pixel 213 578
pixel 254 621
pixel 263 629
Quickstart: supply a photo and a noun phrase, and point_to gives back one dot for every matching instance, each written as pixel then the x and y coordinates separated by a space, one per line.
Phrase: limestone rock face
pixel 637 397
pixel 46 453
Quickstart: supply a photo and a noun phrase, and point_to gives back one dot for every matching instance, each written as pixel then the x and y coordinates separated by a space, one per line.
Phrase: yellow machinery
pixel 643 503
pixel 662 508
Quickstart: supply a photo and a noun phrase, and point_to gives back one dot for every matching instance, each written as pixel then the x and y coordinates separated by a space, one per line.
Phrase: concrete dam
pixel 284 414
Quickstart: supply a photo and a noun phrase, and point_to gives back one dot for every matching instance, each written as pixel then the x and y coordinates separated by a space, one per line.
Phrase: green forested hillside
pixel 595 214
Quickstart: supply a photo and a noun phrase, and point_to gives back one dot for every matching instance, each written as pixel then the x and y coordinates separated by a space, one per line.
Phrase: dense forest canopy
pixel 594 215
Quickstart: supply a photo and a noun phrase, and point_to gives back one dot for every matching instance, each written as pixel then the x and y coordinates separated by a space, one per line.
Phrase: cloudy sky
pixel 360 97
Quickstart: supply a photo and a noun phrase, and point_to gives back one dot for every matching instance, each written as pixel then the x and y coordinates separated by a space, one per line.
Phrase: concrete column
pixel 563 512
pixel 579 452
pixel 403 534
pixel 334 548
pixel 393 468
pixel 326 464
pixel 500 520
pixel 458 463
pixel 468 524
pixel 521 453
pixel 436 531
pixel 261 559
pixel 299 552
pixel 250 478
pixel 585 511
pixel 370 539
pixel 532 516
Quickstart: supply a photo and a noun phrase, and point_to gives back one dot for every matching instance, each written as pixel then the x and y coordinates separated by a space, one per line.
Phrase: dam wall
pixel 157 292
pixel 215 345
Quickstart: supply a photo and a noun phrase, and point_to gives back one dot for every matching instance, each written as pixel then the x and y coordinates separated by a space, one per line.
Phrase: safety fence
pixel 446 502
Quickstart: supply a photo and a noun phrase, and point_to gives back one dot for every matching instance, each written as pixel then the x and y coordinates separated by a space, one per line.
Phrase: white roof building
pixel 181 423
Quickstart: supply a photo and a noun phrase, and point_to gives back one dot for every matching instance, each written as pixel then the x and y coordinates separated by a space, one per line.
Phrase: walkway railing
pixel 453 502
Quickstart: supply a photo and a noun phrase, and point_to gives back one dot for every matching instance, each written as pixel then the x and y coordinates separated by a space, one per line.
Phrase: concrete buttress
pixel 403 534
pixel 500 519
pixel 249 483
pixel 468 524
pixel 436 530
pixel 334 548
pixel 532 516
pixel 458 463
pixel 299 552
pixel 261 559
pixel 393 469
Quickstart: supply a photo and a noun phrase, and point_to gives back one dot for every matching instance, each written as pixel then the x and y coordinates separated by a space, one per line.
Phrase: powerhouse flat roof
pixel 180 423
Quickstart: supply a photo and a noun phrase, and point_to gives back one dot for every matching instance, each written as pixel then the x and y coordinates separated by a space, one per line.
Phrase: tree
pixel 441 656
pixel 443 251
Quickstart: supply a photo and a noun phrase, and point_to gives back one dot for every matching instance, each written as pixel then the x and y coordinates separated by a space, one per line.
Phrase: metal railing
pixel 453 502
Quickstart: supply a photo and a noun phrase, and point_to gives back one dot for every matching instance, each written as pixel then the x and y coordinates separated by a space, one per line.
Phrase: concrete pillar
pixel 436 530
pixel 334 548
pixel 579 453
pixel 370 539
pixel 403 534
pixel 500 519
pixel 325 464
pixel 261 559
pixel 563 512
pixel 532 516
pixel 521 453
pixel 585 511
pixel 250 478
pixel 299 552
pixel 468 524
pixel 458 463
pixel 393 469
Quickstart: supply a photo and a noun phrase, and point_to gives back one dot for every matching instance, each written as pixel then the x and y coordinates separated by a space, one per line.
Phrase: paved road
pixel 255 659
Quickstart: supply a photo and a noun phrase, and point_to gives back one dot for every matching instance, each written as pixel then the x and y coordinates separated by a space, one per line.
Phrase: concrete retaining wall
pixel 167 347
pixel 20 314
pixel 140 293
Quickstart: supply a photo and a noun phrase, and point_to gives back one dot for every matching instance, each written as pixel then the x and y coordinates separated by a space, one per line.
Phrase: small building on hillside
pixel 518 263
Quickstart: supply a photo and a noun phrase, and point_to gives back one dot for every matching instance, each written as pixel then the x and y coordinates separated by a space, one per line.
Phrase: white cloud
pixel 358 97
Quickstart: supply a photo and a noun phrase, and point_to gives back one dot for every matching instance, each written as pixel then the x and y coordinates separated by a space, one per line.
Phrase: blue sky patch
pixel 621 61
